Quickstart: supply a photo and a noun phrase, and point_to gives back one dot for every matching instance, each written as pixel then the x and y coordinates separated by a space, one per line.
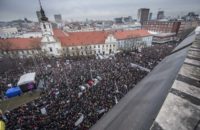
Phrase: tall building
pixel 38 16
pixel 49 44
pixel 160 15
pixel 143 14
pixel 58 18
pixel 150 16
pixel 162 26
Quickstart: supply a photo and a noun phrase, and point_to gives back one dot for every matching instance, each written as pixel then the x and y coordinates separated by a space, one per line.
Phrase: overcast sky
pixel 92 9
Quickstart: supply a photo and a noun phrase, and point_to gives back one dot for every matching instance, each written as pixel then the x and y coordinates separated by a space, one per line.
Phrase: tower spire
pixel 43 16
pixel 40 4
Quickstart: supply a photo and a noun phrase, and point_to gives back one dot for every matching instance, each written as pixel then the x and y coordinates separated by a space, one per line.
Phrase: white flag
pixel 101 111
pixel 116 101
pixel 80 120
pixel 43 111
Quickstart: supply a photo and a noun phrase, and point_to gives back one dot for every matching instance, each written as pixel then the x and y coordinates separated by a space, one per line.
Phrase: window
pixel 48 39
pixel 50 49
pixel 44 26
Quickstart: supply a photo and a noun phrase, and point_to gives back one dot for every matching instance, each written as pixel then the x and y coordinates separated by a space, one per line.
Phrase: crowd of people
pixel 66 105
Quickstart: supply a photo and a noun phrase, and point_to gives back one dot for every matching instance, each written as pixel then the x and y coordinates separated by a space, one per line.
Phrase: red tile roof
pixel 19 43
pixel 125 34
pixel 71 38
pixel 59 33
pixel 82 38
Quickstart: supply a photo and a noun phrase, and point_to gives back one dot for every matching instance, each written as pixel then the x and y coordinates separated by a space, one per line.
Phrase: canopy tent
pixel 27 82
pixel 27 78
pixel 14 91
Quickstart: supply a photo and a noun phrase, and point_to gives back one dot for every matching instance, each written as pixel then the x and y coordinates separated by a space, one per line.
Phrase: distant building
pixel 118 20
pixel 132 39
pixel 191 16
pixel 39 16
pixel 163 38
pixel 29 35
pixel 123 20
pixel 187 25
pixel 150 16
pixel 168 28
pixel 58 18
pixel 130 26
pixel 8 32
pixel 162 26
pixel 128 19
pixel 143 15
pixel 160 15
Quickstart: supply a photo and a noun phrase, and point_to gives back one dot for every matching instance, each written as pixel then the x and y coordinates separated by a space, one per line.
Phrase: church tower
pixel 49 44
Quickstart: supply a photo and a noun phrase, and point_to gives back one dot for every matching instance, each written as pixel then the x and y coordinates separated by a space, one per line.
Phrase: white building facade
pixel 8 32
pixel 49 44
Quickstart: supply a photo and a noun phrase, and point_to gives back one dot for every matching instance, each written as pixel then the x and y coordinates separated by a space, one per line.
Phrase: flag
pixel 140 67
pixel 116 101
pixel 101 111
pixel 80 120
pixel 43 111
pixel 80 94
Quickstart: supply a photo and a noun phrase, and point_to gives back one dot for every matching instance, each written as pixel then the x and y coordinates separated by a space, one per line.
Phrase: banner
pixel 140 67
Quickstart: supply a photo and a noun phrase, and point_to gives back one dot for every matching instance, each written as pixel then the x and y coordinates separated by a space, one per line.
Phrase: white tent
pixel 26 78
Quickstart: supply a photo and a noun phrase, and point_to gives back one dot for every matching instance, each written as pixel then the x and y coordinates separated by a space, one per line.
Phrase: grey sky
pixel 92 9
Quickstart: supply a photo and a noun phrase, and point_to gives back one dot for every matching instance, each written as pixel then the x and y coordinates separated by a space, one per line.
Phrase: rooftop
pixel 181 109
pixel 71 38
pixel 19 43
pixel 139 108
